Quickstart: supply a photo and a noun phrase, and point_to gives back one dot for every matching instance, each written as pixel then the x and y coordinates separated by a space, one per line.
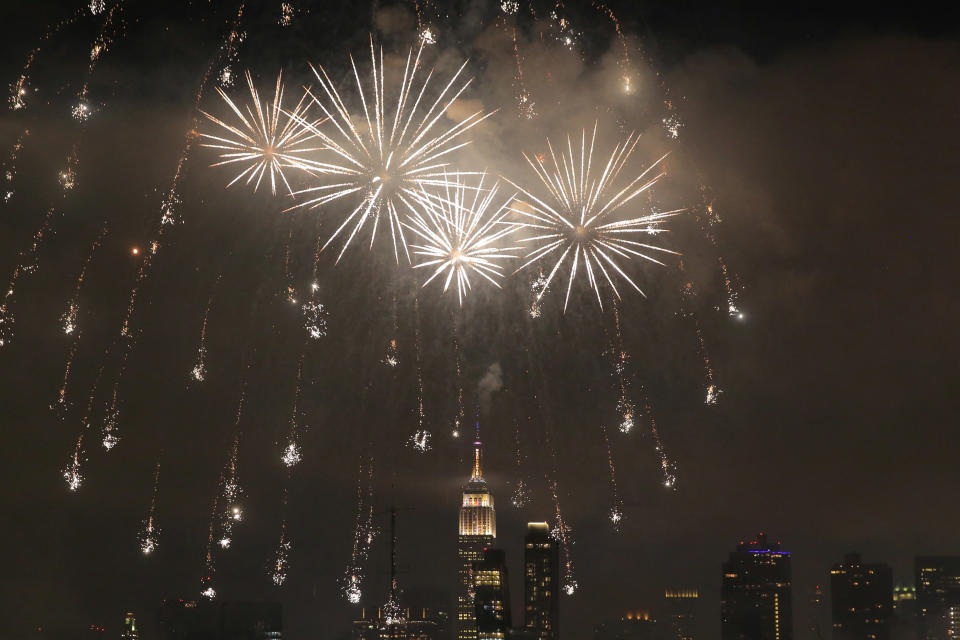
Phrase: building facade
pixel 757 600
pixel 477 532
pixel 417 624
pixel 491 587
pixel 130 627
pixel 541 582
pixel 680 606
pixel 861 600
pixel 938 597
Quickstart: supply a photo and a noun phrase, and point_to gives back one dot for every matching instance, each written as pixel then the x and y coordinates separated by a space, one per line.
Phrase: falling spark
pixel 427 36
pixel 672 125
pixel 458 233
pixel 81 112
pixel 576 217
pixel 391 160
pixel 509 7
pixel 266 141
pixel 314 319
pixel 420 440
pixel 10 167
pixel 687 293
pixel 538 286
pixel 97 6
pixel 292 453
pixel 149 532
pixel 363 533
pixel 625 407
pixel 18 90
pixel 26 264
pixel 458 361
pixel 521 494
pixel 287 13
pixel 616 508
pixel 199 370
pixel 72 473
pixel 70 317
pixel 280 565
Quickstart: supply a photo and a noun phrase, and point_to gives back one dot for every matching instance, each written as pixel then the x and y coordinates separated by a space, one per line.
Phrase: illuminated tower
pixel 541 581
pixel 938 597
pixel 478 529
pixel 491 586
pixel 130 627
pixel 756 594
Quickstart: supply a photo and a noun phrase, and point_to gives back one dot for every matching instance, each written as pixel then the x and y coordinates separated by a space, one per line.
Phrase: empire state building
pixel 478 529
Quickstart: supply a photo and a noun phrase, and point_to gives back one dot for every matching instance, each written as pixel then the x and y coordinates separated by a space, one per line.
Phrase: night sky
pixel 828 138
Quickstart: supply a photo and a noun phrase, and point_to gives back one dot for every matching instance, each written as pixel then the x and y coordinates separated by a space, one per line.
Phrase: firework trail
pixel 82 110
pixel 687 293
pixel 577 218
pixel 363 534
pixel 521 494
pixel 199 371
pixel 292 453
pixel 394 158
pixel 20 87
pixel 232 512
pixel 625 408
pixel 616 505
pixel 73 472
pixel 27 263
pixel 261 145
pixel 287 13
pixel 420 440
pixel 170 205
pixel 667 466
pixel 149 531
pixel 10 167
pixel 290 291
pixel 314 313
pixel 392 358
pixel 458 360
pixel 708 219
pixel 280 564
pixel 457 233
pixel 207 589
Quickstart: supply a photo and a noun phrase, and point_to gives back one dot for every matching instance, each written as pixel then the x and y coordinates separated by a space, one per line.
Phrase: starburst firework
pixel 458 233
pixel 387 154
pixel 267 140
pixel 576 218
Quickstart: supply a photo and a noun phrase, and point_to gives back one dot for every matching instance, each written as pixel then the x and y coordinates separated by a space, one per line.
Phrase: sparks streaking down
pixel 387 154
pixel 576 217
pixel 262 145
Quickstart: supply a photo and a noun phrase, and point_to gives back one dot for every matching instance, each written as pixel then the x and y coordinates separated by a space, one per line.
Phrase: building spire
pixel 477 475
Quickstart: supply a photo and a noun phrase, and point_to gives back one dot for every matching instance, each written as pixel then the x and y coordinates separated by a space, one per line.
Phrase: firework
pixel 687 293
pixel 576 218
pixel 72 473
pixel 292 454
pixel 149 532
pixel 458 233
pixel 18 90
pixel 266 141
pixel 388 160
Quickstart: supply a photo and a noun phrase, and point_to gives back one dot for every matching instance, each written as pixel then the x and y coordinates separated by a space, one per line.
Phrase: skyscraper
pixel 938 597
pixel 756 594
pixel 905 612
pixel 681 610
pixel 491 587
pixel 478 530
pixel 861 600
pixel 541 582
pixel 129 627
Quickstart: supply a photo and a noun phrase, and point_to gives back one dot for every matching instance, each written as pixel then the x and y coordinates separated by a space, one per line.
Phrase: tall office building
pixel 491 586
pixel 478 530
pixel 680 605
pixel 130 627
pixel 756 595
pixel 541 582
pixel 861 597
pixel 938 597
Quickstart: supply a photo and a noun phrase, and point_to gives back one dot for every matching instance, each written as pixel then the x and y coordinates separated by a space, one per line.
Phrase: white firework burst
pixel 575 218
pixel 266 141
pixel 388 152
pixel 458 231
